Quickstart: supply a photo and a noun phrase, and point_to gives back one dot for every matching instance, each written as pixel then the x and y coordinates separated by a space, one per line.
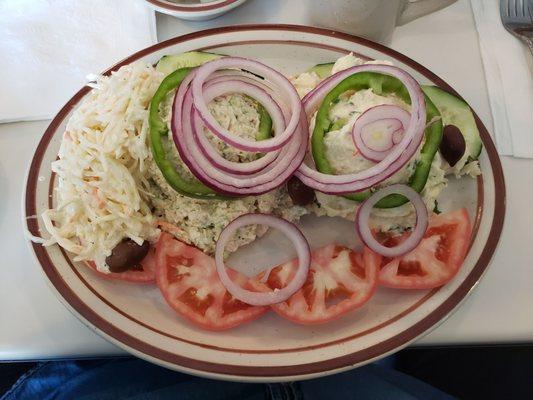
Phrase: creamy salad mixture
pixel 110 187
pixel 201 221
pixel 344 157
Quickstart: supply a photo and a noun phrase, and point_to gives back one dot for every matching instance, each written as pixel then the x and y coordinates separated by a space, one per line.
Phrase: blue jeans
pixel 137 380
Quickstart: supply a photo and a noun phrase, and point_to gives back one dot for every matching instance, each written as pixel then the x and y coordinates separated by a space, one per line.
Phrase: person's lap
pixel 136 379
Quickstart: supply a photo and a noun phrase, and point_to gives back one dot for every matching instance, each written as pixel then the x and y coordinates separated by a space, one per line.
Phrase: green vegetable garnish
pixel 158 129
pixel 380 84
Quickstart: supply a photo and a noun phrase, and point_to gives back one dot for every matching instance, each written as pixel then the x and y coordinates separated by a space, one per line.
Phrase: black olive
pixel 301 194
pixel 127 255
pixel 453 144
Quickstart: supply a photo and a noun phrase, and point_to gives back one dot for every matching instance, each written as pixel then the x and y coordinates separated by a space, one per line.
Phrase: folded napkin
pixel 48 47
pixel 508 70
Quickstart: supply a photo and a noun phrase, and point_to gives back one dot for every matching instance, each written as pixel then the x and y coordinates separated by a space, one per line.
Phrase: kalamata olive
pixel 127 255
pixel 301 195
pixel 453 144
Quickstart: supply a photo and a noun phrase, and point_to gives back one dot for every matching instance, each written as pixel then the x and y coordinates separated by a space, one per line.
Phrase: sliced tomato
pixel 143 273
pixel 435 260
pixel 188 279
pixel 340 280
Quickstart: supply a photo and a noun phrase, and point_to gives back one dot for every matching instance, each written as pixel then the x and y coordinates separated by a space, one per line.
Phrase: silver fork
pixel 517 18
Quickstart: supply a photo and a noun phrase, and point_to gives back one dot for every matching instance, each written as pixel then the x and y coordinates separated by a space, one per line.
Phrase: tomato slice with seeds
pixel 189 282
pixel 340 280
pixel 142 273
pixel 435 260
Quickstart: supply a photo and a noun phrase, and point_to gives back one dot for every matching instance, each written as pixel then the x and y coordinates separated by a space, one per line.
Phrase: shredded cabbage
pixel 101 168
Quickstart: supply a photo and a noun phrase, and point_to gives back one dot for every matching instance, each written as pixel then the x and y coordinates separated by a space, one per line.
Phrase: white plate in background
pixel 199 11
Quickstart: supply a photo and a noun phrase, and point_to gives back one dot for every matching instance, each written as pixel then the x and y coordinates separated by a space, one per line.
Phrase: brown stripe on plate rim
pixel 403 313
pixel 286 43
pixel 394 343
pixel 192 9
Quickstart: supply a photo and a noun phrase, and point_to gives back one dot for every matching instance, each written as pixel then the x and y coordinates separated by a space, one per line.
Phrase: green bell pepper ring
pixel 158 128
pixel 379 84
pixel 265 124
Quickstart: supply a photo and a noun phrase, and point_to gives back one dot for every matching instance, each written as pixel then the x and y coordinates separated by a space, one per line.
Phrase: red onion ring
pixel 282 84
pixel 252 178
pixel 393 161
pixel 277 295
pixel 217 88
pixel 382 143
pixel 363 215
pixel 397 136
pixel 386 119
pixel 273 175
pixel 206 147
pixel 216 159
pixel 277 167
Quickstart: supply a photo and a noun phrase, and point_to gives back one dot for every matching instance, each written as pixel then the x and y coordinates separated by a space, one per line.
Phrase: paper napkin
pixel 48 47
pixel 508 68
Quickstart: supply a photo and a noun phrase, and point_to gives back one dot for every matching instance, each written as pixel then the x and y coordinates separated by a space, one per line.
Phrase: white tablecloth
pixel 49 47
pixel 34 324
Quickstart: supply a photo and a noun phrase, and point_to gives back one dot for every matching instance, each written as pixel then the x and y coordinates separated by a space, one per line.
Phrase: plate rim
pixel 193 8
pixel 392 344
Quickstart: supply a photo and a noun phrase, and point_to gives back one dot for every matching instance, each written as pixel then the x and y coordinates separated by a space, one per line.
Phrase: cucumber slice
pixel 322 70
pixel 170 63
pixel 455 111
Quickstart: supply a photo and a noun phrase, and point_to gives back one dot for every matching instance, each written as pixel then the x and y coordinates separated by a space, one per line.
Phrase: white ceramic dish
pixel 194 11
pixel 137 318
